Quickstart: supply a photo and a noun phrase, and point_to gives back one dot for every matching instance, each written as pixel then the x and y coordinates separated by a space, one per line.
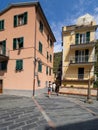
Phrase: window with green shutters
pixel 41 27
pixel 4 47
pixel 1 25
pixel 46 70
pixel 77 38
pixel 39 66
pixel 51 43
pixel 3 65
pixel 49 71
pixel 18 43
pixel 19 65
pixel 20 19
pixel 50 58
pixel 87 37
pixel 40 47
pixel 47 55
pixel 39 83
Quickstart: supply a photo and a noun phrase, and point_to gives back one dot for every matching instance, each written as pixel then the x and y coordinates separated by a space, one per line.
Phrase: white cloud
pixel 96 10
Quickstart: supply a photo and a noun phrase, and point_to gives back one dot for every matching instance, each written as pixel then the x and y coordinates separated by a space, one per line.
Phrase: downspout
pixel 34 54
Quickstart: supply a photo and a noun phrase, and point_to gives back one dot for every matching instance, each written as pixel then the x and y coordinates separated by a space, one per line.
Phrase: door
pixel 80 73
pixel 1 86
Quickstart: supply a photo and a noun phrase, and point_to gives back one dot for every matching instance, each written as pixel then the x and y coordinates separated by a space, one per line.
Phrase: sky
pixel 61 13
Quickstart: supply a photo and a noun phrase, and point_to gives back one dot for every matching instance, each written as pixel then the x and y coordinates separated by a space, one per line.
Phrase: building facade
pixel 79 54
pixel 26 49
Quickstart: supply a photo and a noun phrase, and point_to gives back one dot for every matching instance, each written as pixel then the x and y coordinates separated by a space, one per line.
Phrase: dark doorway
pixel 80 73
pixel 1 86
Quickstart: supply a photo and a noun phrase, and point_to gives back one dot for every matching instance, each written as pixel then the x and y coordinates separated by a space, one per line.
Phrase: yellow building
pixel 79 54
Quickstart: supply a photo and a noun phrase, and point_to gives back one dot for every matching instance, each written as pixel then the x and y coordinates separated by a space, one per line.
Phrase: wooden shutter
pixel 87 36
pixel 15 21
pixel 77 38
pixel 14 43
pixel 21 42
pixel 40 47
pixel 4 47
pixel 39 66
pixel 4 65
pixel 25 17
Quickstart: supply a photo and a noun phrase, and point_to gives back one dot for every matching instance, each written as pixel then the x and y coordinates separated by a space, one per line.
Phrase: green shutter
pixel 50 58
pixel 38 83
pixel 14 43
pixel 39 66
pixel 15 21
pixel 87 36
pixel 77 38
pixel 2 24
pixel 19 64
pixel 4 47
pixel 21 42
pixel 4 65
pixel 40 47
pixel 47 70
pixel 25 17
pixel 41 27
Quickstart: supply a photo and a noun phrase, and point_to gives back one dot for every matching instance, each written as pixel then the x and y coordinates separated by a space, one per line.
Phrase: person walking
pixel 49 89
pixel 57 89
pixel 53 87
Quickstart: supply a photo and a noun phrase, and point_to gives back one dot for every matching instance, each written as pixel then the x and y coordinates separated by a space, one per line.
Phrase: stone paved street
pixel 43 113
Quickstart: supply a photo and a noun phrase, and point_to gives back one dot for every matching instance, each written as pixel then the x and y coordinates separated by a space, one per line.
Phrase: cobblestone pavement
pixel 43 113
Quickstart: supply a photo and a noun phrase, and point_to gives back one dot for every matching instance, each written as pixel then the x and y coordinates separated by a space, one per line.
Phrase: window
pixel 51 43
pixel 20 19
pixel 47 38
pixel 80 73
pixel 40 47
pixel 41 26
pixel 19 65
pixel 81 55
pixel 47 55
pixel 49 71
pixel 39 83
pixel 46 70
pixel 3 47
pixel 1 25
pixel 18 43
pixel 39 66
pixel 82 38
pixel 3 65
pixel 50 58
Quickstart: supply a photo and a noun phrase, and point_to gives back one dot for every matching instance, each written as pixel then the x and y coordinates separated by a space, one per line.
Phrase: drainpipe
pixel 34 54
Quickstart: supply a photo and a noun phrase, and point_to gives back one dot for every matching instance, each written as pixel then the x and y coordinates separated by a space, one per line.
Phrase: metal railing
pixel 78 76
pixel 82 59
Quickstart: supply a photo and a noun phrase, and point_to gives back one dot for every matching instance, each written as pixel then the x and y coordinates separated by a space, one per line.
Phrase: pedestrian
pixel 49 89
pixel 53 87
pixel 57 89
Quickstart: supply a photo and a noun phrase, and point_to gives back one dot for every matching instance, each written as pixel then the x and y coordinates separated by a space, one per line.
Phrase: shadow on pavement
pixel 86 125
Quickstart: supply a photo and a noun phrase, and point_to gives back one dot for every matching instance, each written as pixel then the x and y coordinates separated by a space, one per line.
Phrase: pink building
pixel 26 50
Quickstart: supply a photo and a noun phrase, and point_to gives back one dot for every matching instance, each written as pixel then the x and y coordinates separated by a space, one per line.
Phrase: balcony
pixel 82 45
pixel 86 59
pixel 4 54
pixel 78 77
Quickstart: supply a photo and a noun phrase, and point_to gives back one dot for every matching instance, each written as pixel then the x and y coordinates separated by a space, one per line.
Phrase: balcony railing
pixel 78 77
pixel 4 54
pixel 82 59
pixel 83 45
